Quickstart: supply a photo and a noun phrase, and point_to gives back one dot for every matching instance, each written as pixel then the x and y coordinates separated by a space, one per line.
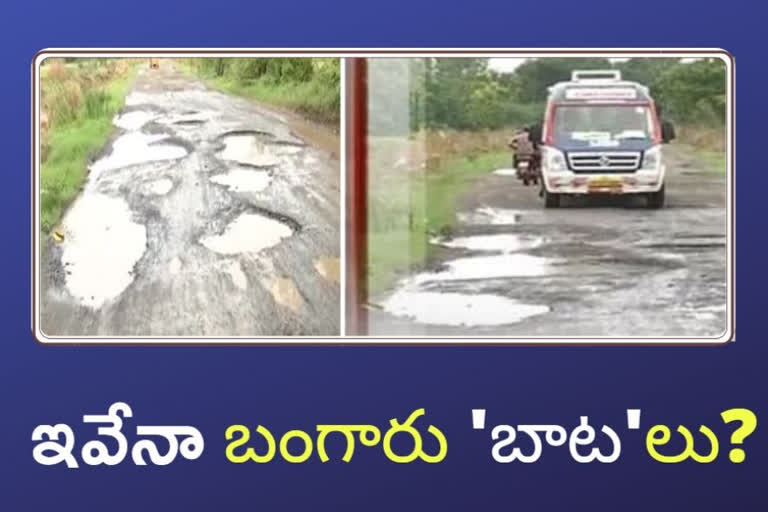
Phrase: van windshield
pixel 602 124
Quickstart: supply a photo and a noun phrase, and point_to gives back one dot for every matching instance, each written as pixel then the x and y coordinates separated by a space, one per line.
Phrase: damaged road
pixel 205 215
pixel 597 267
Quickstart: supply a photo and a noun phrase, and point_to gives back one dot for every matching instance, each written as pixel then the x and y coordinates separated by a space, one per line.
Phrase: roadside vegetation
pixel 308 86
pixel 435 125
pixel 78 100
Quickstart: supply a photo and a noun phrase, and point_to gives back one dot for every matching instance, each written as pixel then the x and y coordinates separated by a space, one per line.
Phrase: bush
pixel 97 104
pixel 61 99
pixel 307 85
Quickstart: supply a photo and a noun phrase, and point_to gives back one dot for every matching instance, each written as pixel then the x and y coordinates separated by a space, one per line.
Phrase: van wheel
pixel 551 200
pixel 655 200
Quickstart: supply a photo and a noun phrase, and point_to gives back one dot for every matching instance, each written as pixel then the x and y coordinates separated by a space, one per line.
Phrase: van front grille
pixel 604 162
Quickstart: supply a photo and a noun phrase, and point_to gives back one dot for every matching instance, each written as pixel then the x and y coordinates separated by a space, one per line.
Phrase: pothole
pixel 286 294
pixel 503 242
pixel 101 247
pixel 159 187
pixel 457 309
pixel 243 180
pixel 489 267
pixel 248 149
pixel 493 216
pixel 249 232
pixel 134 119
pixel 328 268
pixel 135 148
pixel 235 272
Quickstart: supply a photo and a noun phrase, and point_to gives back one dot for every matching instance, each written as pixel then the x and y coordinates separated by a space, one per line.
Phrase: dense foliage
pixel 308 85
pixel 466 94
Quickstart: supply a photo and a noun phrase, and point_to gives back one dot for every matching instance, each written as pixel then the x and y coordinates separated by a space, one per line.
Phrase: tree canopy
pixel 466 94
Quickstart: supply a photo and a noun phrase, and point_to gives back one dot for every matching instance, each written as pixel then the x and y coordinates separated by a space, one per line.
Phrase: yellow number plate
pixel 604 183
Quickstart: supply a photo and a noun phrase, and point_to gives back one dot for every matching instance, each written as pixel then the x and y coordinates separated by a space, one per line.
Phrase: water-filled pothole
pixel 489 267
pixel 457 309
pixel 243 180
pixel 502 242
pixel 249 232
pixel 493 216
pixel 246 148
pixel 135 148
pixel 100 248
pixel 134 119
pixel 159 187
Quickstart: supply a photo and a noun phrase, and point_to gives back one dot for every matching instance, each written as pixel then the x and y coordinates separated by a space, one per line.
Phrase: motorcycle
pixel 526 157
pixel 527 170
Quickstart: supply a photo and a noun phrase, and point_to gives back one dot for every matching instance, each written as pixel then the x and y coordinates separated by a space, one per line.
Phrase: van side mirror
pixel 667 132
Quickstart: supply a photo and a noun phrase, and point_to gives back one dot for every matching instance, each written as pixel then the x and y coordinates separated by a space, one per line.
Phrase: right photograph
pixel 540 196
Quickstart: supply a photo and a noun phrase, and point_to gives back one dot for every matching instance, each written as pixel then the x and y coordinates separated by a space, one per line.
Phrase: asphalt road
pixel 602 267
pixel 205 215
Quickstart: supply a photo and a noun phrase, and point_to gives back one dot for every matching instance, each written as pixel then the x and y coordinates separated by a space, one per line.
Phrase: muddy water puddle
pixel 285 293
pixel 101 246
pixel 248 149
pixel 248 233
pixel 503 242
pixel 492 216
pixel 413 299
pixel 159 187
pixel 329 269
pixel 134 119
pixel 490 267
pixel 134 148
pixel 243 180
pixel 235 272
pixel 457 309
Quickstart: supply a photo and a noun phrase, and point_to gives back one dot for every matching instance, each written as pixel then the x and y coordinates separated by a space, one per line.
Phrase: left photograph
pixel 185 197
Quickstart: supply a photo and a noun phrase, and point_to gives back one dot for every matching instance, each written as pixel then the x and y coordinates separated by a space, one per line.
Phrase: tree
pixel 536 75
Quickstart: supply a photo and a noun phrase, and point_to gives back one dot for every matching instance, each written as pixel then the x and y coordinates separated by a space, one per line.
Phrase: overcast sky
pixel 507 65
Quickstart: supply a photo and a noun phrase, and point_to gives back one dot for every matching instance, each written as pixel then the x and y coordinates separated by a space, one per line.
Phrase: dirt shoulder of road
pixel 325 136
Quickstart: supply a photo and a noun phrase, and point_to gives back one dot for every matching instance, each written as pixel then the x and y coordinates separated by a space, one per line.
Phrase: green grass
pixel 313 99
pixel 405 209
pixel 714 161
pixel 70 146
pixel 317 99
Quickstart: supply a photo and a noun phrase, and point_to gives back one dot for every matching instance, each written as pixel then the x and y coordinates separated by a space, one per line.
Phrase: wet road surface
pixel 597 267
pixel 205 215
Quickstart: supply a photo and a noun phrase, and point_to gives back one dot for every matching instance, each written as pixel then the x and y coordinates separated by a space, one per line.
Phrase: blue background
pixel 300 387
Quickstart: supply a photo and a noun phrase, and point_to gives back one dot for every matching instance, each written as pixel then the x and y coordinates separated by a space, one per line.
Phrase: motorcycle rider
pixel 524 147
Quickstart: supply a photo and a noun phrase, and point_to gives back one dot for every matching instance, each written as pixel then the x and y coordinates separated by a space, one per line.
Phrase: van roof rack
pixel 596 75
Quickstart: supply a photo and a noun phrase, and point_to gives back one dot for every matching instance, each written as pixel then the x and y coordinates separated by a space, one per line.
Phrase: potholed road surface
pixel 602 267
pixel 205 215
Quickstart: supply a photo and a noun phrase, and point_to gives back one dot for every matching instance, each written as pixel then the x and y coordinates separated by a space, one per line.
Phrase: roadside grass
pixel 407 206
pixel 313 99
pixel 714 161
pixel 79 129
pixel 309 87
pixel 708 142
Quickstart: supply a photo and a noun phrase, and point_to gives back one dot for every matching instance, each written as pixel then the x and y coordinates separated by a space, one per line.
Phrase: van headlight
pixel 652 159
pixel 554 160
